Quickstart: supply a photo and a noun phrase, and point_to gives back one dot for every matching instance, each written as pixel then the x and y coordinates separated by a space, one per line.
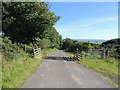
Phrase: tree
pixel 53 36
pixel 67 43
pixel 25 21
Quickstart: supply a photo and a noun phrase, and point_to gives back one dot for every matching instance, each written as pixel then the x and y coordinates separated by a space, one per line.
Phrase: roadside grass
pixel 47 51
pixel 109 66
pixel 16 72
pixel 70 54
pixel 101 65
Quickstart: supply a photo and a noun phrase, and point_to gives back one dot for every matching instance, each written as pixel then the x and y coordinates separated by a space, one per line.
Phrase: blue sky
pixel 87 20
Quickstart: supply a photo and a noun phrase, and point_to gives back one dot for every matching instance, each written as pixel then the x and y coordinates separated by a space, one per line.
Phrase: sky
pixel 86 20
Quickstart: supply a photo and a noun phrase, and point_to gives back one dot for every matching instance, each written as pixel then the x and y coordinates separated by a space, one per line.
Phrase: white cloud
pixel 92 21
pixel 89 27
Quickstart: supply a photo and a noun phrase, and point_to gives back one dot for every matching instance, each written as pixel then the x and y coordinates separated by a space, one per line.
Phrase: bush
pixel 113 46
pixel 90 56
pixel 71 45
pixel 27 48
pixel 11 51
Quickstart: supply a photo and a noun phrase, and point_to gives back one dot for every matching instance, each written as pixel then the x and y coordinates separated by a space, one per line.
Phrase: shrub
pixel 11 51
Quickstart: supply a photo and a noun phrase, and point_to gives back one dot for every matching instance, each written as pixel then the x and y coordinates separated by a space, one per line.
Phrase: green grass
pixel 70 54
pixel 101 65
pixel 109 66
pixel 16 72
pixel 47 51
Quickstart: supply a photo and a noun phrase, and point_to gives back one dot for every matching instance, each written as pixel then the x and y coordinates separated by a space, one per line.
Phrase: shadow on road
pixel 58 58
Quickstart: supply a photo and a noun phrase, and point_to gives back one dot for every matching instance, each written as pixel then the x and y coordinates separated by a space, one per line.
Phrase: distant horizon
pixel 93 39
pixel 89 38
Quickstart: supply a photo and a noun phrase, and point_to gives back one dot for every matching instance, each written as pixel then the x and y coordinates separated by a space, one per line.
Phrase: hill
pixel 91 40
pixel 114 46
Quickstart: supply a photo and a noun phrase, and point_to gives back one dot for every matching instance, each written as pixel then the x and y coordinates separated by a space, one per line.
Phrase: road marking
pixel 77 79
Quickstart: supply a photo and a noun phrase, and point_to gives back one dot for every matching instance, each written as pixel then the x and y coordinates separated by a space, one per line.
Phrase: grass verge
pixel 16 72
pixel 100 65
pixel 103 67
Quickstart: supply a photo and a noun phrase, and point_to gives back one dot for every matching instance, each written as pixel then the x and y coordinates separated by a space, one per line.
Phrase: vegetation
pixel 71 45
pixel 30 23
pixel 114 47
pixel 106 67
pixel 95 62
pixel 12 76
pixel 109 66
pixel 26 25
pixel 16 60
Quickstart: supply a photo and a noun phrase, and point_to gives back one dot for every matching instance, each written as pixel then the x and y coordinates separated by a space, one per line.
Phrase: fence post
pixel 81 54
pixel 103 54
pixel 108 55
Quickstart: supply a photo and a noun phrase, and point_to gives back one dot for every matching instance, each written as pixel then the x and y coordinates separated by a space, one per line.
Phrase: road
pixel 57 72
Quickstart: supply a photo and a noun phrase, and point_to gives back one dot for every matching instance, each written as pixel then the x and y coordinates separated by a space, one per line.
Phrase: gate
pixel 37 53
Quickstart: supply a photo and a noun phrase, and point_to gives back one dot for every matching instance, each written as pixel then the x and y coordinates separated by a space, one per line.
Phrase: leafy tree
pixel 53 36
pixel 67 43
pixel 44 43
pixel 71 45
pixel 24 21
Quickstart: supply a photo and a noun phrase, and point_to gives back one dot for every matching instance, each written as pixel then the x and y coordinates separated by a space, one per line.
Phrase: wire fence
pixel 94 53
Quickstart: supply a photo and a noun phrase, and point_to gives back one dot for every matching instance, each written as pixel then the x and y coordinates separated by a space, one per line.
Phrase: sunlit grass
pixel 16 72
pixel 101 65
pixel 47 51
pixel 109 66
pixel 70 54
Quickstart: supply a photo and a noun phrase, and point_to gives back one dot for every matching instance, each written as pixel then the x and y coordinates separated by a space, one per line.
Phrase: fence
pixel 92 53
pixel 77 55
pixel 37 52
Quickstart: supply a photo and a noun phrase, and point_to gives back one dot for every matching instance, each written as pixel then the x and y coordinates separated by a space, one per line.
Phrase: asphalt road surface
pixel 57 72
